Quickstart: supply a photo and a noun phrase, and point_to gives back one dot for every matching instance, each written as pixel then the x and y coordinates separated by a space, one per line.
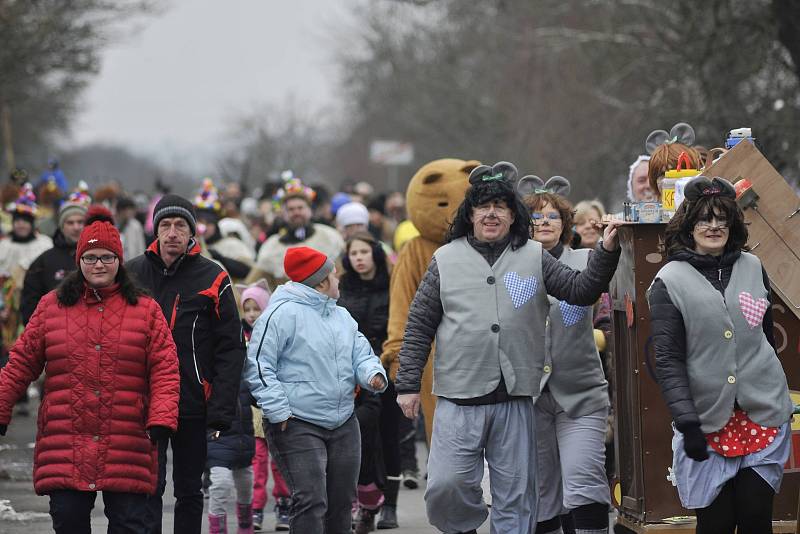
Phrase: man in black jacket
pixel 47 271
pixel 197 299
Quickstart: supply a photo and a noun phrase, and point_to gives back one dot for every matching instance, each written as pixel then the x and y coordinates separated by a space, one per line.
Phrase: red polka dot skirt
pixel 741 436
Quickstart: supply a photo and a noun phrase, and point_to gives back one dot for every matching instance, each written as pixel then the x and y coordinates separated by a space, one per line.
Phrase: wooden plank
pixel 774 225
pixel 778 527
pixel 642 421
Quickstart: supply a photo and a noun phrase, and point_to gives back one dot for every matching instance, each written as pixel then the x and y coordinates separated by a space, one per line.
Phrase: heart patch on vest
pixel 571 314
pixel 520 289
pixel 753 309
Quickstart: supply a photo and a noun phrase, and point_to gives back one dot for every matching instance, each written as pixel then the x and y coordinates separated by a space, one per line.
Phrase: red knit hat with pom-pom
pixel 99 232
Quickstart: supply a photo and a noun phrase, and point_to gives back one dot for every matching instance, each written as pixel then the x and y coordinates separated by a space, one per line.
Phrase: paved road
pixel 21 511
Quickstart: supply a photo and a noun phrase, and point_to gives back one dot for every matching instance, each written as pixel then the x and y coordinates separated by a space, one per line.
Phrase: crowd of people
pixel 287 331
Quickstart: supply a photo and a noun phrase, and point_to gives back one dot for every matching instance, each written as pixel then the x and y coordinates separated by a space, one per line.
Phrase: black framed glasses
pixel 706 226
pixel 105 259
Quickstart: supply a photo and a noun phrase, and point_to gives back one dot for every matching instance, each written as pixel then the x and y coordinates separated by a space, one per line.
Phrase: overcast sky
pixel 168 89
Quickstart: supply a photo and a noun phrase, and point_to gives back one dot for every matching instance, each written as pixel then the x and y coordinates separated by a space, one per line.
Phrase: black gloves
pixel 3 429
pixel 158 433
pixel 694 442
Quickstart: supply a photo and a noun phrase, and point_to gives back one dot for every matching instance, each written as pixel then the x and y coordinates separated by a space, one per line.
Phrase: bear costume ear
pixel 469 166
pixel 558 185
pixel 529 185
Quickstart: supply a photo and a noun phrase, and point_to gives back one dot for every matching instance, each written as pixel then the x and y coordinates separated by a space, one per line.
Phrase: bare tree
pixel 48 51
pixel 569 88
pixel 262 143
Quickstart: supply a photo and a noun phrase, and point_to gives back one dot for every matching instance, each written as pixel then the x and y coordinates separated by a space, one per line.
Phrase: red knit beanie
pixel 99 232
pixel 306 265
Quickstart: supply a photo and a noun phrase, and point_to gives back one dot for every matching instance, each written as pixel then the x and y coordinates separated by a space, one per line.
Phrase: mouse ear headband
pixel 680 133
pixel 500 171
pixel 533 185
pixel 702 186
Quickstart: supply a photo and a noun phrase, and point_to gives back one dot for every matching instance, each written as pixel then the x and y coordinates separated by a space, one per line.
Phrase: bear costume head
pixel 434 194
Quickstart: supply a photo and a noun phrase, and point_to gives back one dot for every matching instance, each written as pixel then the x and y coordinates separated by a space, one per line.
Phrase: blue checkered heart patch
pixel 520 289
pixel 571 314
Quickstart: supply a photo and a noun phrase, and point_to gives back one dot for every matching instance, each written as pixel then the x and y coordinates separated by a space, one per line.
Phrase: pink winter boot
pixel 245 515
pixel 217 524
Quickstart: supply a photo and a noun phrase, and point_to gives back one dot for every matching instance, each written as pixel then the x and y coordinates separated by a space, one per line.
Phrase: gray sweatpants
pixel 462 436
pixel 571 458
pixel 223 481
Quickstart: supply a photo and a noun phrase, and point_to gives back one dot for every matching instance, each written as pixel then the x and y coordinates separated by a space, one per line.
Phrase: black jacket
pixel 669 333
pixel 235 447
pixel 368 303
pixel 197 299
pixel 46 273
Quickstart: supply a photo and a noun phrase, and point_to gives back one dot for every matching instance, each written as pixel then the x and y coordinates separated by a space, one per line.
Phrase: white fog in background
pixel 168 90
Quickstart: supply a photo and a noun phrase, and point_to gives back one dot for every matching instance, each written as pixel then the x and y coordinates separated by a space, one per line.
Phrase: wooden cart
pixel 645 499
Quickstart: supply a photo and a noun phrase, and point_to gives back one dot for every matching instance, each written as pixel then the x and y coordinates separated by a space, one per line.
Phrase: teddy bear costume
pixel 432 198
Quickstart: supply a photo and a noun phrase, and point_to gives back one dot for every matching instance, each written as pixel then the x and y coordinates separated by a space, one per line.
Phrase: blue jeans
pixel 71 511
pixel 321 469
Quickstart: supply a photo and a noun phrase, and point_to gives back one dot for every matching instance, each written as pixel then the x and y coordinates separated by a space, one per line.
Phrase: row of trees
pixel 49 51
pixel 570 88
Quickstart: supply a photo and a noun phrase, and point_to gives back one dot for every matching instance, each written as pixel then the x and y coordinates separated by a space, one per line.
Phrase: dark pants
pixel 408 444
pixel 71 511
pixel 321 469
pixel 390 436
pixel 390 430
pixel 744 506
pixel 188 464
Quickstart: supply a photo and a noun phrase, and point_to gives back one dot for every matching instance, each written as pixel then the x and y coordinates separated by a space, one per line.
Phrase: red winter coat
pixel 112 372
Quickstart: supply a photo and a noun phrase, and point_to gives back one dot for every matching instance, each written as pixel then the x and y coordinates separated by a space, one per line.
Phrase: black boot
pixel 388 517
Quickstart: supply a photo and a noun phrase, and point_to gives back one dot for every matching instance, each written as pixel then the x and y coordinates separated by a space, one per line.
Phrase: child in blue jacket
pixel 305 358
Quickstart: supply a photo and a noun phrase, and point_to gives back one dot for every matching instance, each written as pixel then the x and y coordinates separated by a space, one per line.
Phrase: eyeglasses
pixel 105 259
pixel 705 226
pixel 541 218
pixel 483 210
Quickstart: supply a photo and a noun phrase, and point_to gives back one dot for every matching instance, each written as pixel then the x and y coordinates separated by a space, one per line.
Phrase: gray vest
pixel 493 321
pixel 572 367
pixel 728 356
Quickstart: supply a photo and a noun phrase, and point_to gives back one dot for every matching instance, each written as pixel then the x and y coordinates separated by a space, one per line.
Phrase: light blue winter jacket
pixel 306 356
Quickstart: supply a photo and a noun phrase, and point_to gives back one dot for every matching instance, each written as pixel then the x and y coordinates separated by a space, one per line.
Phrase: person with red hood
pixel 111 387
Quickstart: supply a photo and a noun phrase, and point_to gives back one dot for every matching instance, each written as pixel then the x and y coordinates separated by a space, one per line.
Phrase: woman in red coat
pixel 111 387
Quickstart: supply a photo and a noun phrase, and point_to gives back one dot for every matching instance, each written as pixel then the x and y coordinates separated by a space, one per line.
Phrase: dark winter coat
pixel 669 333
pixel 235 447
pixel 368 412
pixel 111 372
pixel 368 303
pixel 46 273
pixel 563 283
pixel 197 300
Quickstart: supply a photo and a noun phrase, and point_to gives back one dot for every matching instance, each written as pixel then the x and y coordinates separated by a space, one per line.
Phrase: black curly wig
pixel 483 192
